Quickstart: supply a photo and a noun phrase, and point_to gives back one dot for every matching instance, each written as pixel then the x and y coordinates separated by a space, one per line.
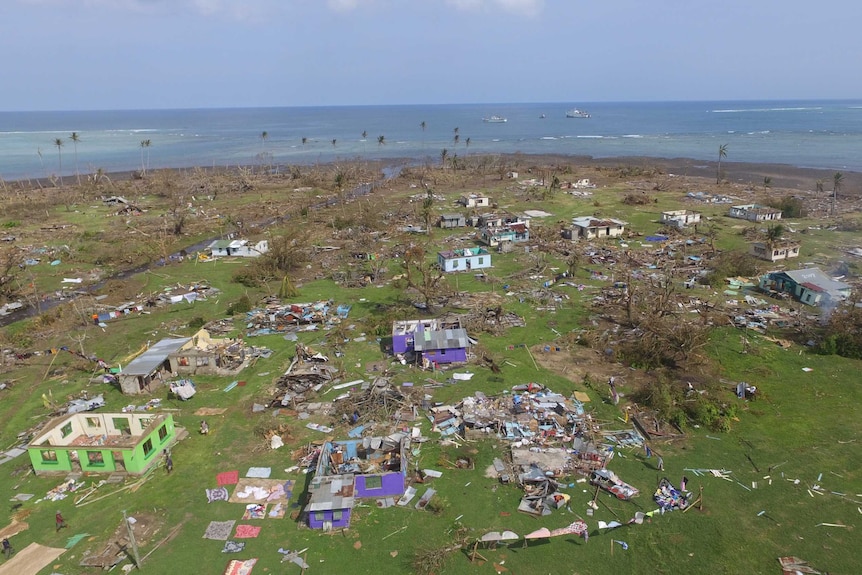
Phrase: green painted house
pixel 101 442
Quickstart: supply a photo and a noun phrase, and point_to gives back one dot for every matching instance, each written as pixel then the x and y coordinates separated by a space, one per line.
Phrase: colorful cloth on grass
pixel 277 511
pixel 219 530
pixel 227 478
pixel 233 546
pixel 246 531
pixel 217 494
pixel 254 511
pixel 240 567
pixel 74 539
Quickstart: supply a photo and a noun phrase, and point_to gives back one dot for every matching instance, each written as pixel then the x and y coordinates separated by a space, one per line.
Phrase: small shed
pixel 475 201
pixel 148 369
pixel 452 221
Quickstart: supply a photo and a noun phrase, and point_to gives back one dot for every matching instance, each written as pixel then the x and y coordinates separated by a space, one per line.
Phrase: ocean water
pixel 818 134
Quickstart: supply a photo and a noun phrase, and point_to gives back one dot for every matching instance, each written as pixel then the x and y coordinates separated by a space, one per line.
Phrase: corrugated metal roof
pixel 440 339
pixel 148 361
pixel 815 276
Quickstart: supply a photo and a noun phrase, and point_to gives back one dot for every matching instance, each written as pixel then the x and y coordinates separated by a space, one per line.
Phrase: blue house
pixel 810 286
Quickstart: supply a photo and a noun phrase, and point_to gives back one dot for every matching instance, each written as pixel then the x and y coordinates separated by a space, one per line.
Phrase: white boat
pixel 575 113
pixel 495 120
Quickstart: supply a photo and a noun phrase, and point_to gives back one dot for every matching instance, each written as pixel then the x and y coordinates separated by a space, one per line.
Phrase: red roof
pixel 812 287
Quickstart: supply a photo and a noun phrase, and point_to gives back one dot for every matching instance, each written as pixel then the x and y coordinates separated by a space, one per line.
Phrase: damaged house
pixel 590 228
pixel 238 248
pixel 775 251
pixel 754 213
pixel 448 221
pixel 428 341
pixel 371 467
pixel 101 442
pixel 150 369
pixel 206 355
pixel 810 286
pixel 680 218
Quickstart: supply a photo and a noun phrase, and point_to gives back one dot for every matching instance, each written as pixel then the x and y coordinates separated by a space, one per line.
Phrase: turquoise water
pixel 819 134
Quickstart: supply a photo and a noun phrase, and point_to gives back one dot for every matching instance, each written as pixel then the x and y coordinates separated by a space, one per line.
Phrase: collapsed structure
pixel 350 469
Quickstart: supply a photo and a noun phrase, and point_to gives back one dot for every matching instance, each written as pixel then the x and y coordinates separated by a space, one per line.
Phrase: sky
pixel 144 54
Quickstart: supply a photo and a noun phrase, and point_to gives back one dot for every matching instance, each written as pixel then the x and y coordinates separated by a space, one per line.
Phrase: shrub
pixel 196 322
pixel 242 305
pixel 790 207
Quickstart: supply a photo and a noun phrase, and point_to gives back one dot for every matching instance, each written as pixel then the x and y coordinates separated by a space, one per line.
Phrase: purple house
pixel 429 341
pixel 353 469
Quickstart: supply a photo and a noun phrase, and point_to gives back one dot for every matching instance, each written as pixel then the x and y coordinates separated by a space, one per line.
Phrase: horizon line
pixel 428 105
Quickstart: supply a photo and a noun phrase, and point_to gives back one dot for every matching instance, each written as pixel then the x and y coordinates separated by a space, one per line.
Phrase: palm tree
pixel 467 145
pixel 837 180
pixel 381 140
pixel 304 140
pixel 457 139
pixel 774 233
pixel 722 153
pixel 423 125
pixel 264 136
pixel 144 144
pixel 59 143
pixel 333 142
pixel 75 139
pixel 444 153
pixel 364 134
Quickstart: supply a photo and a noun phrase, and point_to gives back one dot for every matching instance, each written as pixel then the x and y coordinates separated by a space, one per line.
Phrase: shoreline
pixel 782 175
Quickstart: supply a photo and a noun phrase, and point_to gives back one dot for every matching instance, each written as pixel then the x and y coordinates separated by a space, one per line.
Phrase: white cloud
pixel 525 7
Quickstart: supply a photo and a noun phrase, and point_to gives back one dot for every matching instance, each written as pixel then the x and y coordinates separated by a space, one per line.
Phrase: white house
pixel 464 259
pixel 680 218
pixel 776 251
pixel 754 213
pixel 474 201
pixel 588 228
pixel 241 248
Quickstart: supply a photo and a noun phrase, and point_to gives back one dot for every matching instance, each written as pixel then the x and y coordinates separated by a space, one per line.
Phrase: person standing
pixel 660 463
pixel 169 462
pixel 59 521
pixel 7 548
pixel 683 483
